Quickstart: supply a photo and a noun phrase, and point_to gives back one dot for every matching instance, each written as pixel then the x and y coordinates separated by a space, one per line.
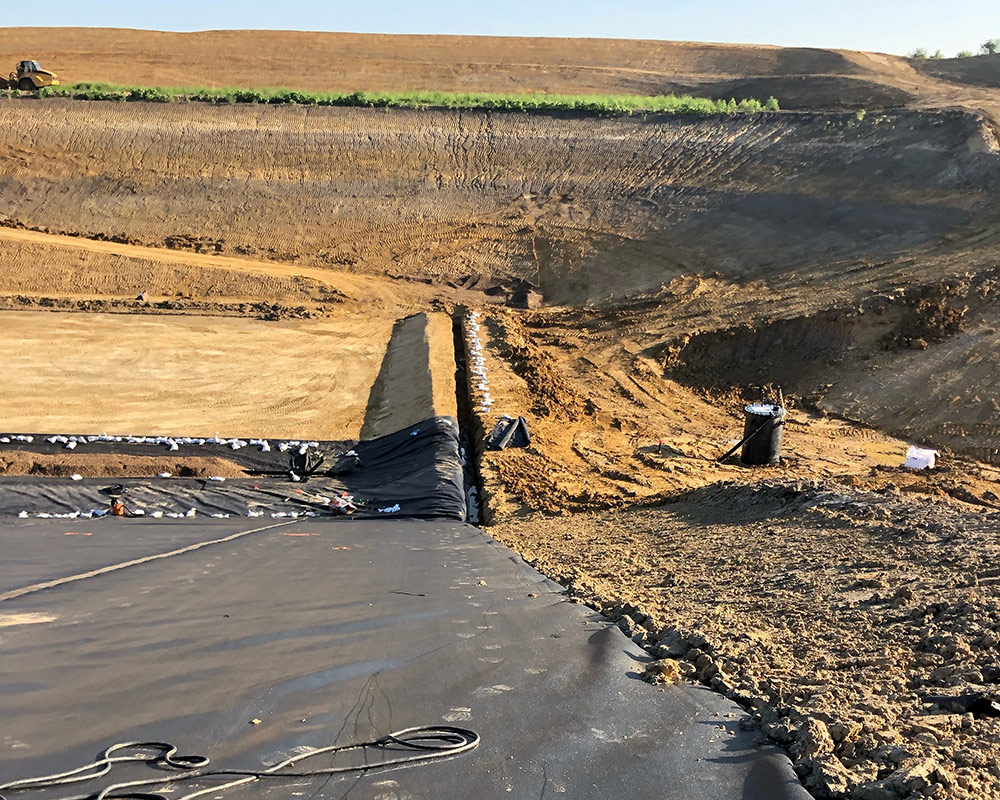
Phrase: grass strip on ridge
pixel 586 103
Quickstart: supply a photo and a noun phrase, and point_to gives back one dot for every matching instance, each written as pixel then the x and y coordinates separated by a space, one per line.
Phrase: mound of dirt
pixel 103 465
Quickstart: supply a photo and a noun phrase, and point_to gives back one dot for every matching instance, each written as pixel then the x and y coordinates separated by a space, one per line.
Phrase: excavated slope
pixel 585 208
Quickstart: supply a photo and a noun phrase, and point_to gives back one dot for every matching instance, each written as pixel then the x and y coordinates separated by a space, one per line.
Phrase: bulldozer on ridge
pixel 29 76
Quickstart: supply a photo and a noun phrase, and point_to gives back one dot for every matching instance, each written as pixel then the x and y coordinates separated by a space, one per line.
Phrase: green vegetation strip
pixel 588 103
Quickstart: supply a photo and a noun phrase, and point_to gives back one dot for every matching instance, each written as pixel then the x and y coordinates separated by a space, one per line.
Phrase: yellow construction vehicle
pixel 29 77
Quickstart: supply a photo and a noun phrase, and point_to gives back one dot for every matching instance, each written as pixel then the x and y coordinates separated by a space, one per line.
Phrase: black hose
pixel 745 439
pixel 428 742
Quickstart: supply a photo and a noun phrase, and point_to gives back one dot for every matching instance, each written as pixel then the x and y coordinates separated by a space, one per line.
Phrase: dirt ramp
pixel 417 377
pixel 977 71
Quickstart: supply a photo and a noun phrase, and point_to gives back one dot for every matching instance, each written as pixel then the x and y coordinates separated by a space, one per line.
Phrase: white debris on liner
pixel 217 478
pixel 389 510
pixel 480 383
pixel 342 502
pixel 163 474
pixel 76 477
pixel 172 443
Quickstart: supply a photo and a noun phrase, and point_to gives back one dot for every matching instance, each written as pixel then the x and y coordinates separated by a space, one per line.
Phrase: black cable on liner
pixel 429 742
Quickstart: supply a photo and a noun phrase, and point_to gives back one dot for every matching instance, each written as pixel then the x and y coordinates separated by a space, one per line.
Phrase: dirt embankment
pixel 981 70
pixel 800 77
pixel 612 429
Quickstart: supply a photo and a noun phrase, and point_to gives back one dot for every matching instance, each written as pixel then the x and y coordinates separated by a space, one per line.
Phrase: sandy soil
pixel 193 376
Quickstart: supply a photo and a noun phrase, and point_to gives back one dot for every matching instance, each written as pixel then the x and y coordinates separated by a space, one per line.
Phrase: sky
pixel 891 26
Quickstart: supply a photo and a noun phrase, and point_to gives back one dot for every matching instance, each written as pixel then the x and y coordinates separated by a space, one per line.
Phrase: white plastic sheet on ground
pixel 919 458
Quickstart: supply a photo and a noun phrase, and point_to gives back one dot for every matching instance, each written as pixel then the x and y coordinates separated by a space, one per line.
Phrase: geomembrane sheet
pixel 416 472
pixel 249 640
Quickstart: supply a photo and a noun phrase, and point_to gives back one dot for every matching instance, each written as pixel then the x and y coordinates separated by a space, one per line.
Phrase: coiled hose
pixel 428 742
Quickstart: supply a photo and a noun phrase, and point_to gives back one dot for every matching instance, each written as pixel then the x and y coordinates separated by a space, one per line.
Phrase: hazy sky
pixel 892 26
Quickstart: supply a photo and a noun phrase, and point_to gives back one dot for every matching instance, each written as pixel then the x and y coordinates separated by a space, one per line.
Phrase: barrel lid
pixel 765 410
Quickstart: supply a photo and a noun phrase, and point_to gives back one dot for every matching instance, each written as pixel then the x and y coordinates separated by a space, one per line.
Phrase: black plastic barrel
pixel 765 421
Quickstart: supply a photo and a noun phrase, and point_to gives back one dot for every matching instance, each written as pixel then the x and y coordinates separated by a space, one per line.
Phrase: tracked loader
pixel 29 76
